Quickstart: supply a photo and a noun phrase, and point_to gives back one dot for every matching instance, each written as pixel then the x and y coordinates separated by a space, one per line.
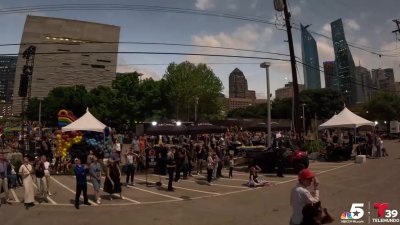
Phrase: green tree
pixel 153 102
pixel 127 105
pixel 384 107
pixel 323 103
pixel 187 82
pixel 101 101
pixel 71 98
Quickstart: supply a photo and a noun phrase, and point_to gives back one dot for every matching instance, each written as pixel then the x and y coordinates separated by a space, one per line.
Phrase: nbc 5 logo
pixel 356 212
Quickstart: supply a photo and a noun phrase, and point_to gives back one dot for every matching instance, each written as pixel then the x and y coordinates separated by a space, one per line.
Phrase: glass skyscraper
pixel 331 78
pixel 8 66
pixel 345 67
pixel 312 79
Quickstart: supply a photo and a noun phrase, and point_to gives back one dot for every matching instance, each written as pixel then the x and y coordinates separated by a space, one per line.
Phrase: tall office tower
pixel 383 79
pixel 7 74
pixel 364 77
pixel 311 70
pixel 331 78
pixel 345 68
pixel 63 67
pixel 237 84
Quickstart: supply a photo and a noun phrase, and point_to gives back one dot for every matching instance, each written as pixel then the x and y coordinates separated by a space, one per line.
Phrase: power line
pixel 125 7
pixel 151 53
pixel 147 64
pixel 351 80
pixel 144 43
pixel 378 52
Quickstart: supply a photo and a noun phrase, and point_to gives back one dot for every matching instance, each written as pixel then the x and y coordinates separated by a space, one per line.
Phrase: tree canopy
pixel 130 100
pixel 187 82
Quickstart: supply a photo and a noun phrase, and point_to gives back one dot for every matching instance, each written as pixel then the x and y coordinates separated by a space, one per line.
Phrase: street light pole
pixel 266 65
pixel 195 109
pixel 40 118
pixel 304 120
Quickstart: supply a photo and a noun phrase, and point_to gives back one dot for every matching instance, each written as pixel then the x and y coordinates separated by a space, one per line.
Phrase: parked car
pixel 283 148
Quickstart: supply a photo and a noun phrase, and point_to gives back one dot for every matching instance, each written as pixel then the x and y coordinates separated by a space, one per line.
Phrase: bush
pixel 313 146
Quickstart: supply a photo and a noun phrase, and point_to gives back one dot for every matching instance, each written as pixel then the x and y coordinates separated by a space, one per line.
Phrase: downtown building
pixel 331 78
pixel 8 66
pixel 348 84
pixel 72 59
pixel 383 79
pixel 363 76
pixel 311 70
pixel 239 94
pixel 287 91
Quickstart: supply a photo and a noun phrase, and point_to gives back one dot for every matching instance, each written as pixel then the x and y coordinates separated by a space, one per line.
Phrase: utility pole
pixel 398 27
pixel 296 98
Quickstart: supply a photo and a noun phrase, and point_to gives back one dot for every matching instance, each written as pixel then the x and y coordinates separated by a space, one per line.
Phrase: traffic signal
pixel 23 85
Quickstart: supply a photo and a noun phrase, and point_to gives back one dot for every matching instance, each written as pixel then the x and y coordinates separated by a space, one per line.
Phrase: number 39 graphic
pixel 357 210
pixel 391 213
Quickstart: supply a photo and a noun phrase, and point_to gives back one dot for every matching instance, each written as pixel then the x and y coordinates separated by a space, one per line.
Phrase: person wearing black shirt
pixel 171 168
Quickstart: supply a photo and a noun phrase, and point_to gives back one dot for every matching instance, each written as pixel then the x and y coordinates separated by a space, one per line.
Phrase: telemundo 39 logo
pixel 381 213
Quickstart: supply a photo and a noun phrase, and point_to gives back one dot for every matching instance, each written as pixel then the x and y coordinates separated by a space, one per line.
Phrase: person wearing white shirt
pixel 118 148
pixel 47 173
pixel 300 195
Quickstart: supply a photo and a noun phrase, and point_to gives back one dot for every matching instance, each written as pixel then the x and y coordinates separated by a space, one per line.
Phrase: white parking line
pixel 325 171
pixel 155 193
pixel 188 189
pixel 62 185
pixel 214 184
pixel 117 195
pixel 47 197
pixel 14 195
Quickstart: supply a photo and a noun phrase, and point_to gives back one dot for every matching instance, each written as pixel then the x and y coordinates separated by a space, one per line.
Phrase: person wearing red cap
pixel 300 195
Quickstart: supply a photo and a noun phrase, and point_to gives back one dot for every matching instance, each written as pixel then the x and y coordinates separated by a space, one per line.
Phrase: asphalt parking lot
pixel 228 201
pixel 63 187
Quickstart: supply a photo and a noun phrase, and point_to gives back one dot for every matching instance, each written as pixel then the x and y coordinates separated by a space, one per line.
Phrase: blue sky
pixel 367 23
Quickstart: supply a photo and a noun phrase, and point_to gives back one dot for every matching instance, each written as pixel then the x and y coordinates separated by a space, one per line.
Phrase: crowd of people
pixel 345 144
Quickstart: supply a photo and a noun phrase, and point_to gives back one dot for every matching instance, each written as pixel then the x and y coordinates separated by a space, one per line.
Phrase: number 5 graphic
pixel 357 210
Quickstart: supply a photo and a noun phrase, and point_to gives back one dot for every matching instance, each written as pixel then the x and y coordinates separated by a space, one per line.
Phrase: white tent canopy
pixel 346 119
pixel 86 122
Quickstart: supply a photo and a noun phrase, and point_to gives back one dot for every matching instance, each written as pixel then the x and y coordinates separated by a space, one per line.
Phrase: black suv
pixel 282 149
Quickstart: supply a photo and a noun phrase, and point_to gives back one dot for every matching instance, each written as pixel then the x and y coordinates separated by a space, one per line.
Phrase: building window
pixel 87 55
pixel 66 64
pixel 84 64
pixel 63 50
pixel 98 66
pixel 102 60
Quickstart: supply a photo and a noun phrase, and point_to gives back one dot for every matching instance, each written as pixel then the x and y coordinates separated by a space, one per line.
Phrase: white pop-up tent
pixel 346 119
pixel 87 122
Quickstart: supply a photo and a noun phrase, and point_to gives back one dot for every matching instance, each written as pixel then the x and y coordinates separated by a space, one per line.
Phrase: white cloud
pixel 147 73
pixel 254 4
pixel 295 10
pixel 352 24
pixel 326 28
pixel 250 36
pixel 205 4
pixel 232 6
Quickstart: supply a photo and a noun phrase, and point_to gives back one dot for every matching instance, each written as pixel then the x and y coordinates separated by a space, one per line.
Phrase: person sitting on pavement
pixel 253 177
pixel 300 195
